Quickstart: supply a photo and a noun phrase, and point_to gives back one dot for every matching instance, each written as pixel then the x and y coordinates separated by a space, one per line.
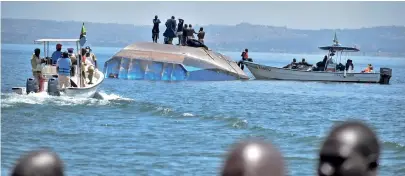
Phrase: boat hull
pixel 262 72
pixel 85 92
pixel 152 61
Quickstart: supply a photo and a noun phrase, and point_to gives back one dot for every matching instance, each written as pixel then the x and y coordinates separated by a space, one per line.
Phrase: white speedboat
pixel 49 82
pixel 330 72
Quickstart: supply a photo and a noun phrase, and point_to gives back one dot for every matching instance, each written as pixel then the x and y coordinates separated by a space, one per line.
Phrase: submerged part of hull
pixel 262 72
pixel 151 61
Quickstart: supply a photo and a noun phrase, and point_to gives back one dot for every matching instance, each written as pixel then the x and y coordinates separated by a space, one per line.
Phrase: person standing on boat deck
pixel 63 66
pixel 170 31
pixel 245 56
pixel 92 56
pixel 36 62
pixel 155 29
pixel 201 35
pixel 185 32
pixel 180 31
pixel 90 63
pixel 57 54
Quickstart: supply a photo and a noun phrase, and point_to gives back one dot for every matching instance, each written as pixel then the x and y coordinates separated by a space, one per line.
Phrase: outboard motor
pixel 31 86
pixel 385 75
pixel 53 87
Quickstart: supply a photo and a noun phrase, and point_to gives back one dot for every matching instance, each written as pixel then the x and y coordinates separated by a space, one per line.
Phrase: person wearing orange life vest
pixel 369 69
pixel 245 57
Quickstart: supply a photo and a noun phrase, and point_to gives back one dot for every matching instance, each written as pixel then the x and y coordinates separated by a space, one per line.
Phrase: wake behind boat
pixel 46 77
pixel 327 70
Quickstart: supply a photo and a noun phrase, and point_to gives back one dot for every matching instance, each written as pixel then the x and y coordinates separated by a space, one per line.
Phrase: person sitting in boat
pixel 56 54
pixel 63 65
pixel 305 63
pixel 201 35
pixel 170 31
pixel 36 66
pixel 349 65
pixel 292 65
pixel 369 69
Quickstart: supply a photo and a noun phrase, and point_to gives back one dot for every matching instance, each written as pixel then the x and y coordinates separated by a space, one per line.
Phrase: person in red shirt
pixel 245 57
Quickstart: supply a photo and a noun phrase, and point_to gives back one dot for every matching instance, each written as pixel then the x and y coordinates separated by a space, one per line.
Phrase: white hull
pixel 262 72
pixel 87 91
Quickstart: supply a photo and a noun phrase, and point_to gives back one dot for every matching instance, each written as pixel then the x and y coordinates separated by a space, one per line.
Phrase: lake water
pixel 185 128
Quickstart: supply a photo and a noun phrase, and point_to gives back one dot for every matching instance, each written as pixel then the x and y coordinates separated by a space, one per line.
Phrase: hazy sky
pixel 301 15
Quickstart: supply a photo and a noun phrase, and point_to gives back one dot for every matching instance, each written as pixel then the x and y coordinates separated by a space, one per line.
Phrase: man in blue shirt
pixel 57 54
pixel 63 66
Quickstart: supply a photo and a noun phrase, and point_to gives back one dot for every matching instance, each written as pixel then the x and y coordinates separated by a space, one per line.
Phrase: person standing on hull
pixel 190 32
pixel 180 31
pixel 185 32
pixel 201 35
pixel 63 66
pixel 170 31
pixel 245 57
pixel 36 67
pixel 155 29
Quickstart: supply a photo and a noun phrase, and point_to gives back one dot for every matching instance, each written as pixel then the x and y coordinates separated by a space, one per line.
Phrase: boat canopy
pixel 56 40
pixel 339 48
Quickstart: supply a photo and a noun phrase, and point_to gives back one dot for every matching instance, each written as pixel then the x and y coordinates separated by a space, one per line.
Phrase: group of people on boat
pixel 184 32
pixel 64 62
pixel 351 148
pixel 322 65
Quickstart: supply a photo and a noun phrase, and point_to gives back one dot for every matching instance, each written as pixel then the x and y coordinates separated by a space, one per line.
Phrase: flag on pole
pixel 83 36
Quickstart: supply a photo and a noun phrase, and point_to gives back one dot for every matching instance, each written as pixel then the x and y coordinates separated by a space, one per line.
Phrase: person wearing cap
pixel 57 54
pixel 90 63
pixel 92 56
pixel 63 65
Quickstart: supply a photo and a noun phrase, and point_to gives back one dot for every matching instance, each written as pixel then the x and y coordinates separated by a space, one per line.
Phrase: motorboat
pixel 154 61
pixel 48 83
pixel 329 70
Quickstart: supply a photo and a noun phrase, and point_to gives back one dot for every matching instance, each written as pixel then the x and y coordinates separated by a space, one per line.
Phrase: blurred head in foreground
pixel 350 149
pixel 253 158
pixel 41 162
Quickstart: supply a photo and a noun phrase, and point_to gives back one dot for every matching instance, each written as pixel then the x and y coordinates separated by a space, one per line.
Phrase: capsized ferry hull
pixel 153 61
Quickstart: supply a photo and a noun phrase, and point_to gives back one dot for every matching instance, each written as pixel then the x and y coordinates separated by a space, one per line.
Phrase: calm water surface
pixel 185 128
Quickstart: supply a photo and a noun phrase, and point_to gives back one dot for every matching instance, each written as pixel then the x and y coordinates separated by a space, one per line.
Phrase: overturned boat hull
pixel 153 61
pixel 262 72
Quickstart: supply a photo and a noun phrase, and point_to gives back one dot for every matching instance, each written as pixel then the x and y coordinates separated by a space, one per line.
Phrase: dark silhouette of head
pixel 37 51
pixel 246 50
pixel 173 17
pixel 350 149
pixel 41 162
pixel 201 28
pixel 190 26
pixel 156 17
pixel 294 60
pixel 58 47
pixel 303 59
pixel 65 54
pixel 253 158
